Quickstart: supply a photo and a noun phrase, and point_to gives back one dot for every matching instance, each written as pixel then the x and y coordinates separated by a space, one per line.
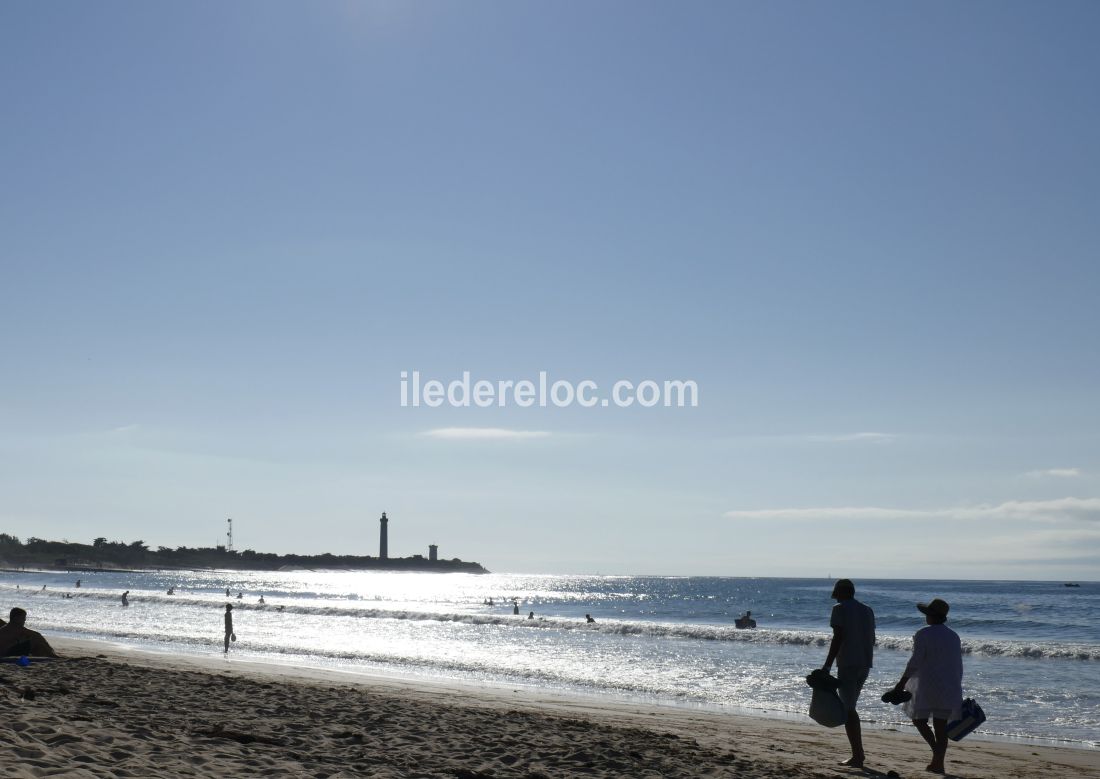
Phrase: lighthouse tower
pixel 383 550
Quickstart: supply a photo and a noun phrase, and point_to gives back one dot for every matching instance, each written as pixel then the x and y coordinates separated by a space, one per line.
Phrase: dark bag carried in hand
pixel 826 708
pixel 972 717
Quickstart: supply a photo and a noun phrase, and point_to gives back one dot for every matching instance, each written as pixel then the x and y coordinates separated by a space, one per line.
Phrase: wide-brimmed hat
pixel 936 607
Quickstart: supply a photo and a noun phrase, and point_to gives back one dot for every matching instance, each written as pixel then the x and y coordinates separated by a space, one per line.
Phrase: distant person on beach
pixel 588 619
pixel 934 676
pixel 227 592
pixel 240 595
pixel 853 644
pixel 531 615
pixel 78 584
pixel 515 608
pixel 126 598
pixel 262 599
pixel 171 590
pixel 16 640
pixel 229 634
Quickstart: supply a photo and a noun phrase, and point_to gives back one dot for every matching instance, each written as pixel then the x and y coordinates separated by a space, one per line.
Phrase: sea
pixel 1032 649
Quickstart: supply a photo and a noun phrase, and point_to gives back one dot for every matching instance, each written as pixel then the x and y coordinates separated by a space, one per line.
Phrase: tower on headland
pixel 383 546
pixel 433 552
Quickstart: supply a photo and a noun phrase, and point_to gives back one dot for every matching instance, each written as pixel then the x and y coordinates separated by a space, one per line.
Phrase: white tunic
pixel 935 674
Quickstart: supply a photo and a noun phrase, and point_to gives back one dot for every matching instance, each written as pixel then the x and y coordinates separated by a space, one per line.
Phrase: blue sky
pixel 868 232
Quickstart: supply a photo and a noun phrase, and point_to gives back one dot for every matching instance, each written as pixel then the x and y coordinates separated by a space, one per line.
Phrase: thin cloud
pixel 1061 509
pixel 483 434
pixel 1057 473
pixel 871 438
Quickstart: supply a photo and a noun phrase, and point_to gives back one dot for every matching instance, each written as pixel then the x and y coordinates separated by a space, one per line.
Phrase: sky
pixel 868 233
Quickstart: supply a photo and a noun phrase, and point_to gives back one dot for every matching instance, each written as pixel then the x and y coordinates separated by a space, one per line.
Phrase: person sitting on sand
pixel 17 640
pixel 588 619
pixel 531 615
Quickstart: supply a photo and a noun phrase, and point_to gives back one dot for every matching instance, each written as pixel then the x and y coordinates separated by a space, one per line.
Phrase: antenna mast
pixel 229 537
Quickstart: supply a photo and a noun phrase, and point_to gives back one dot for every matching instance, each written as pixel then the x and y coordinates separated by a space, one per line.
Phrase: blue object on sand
pixel 23 661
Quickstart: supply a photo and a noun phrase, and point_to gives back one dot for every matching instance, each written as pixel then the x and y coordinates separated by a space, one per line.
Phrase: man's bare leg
pixel 855 738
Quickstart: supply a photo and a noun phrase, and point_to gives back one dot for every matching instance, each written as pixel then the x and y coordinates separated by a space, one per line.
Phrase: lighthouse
pixel 383 551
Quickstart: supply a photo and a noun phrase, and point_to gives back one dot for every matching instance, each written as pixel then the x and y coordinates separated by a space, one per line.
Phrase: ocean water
pixel 1032 648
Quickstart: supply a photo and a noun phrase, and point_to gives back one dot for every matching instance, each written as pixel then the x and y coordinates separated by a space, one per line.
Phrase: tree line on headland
pixel 104 554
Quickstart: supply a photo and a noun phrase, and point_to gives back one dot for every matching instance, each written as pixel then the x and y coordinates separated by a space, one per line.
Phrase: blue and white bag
pixel 972 717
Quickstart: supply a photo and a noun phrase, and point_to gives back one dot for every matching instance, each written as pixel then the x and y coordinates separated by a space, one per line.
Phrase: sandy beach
pixel 104 711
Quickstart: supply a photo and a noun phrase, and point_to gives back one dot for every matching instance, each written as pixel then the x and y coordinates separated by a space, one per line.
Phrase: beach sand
pixel 105 711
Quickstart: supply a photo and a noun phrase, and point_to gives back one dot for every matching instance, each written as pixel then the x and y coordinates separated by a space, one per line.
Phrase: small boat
pixel 1071 584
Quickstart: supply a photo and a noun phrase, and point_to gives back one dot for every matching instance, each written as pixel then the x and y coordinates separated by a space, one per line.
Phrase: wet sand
pixel 106 711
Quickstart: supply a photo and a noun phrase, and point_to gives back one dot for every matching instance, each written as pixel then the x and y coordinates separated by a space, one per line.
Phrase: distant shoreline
pixel 400 565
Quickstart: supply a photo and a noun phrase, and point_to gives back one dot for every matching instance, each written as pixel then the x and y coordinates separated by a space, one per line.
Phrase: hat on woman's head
pixel 936 608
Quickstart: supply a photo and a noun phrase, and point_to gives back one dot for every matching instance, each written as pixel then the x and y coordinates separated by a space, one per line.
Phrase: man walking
pixel 853 644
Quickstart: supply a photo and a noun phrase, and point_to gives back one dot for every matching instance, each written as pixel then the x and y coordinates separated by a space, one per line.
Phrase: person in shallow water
pixel 745 621
pixel 229 634
pixel 853 644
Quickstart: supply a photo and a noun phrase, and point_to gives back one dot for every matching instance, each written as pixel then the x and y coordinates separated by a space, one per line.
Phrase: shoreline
pixel 107 710
pixel 294 667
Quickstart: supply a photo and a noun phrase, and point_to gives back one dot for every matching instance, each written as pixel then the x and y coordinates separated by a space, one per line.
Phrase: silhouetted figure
pixel 78 584
pixel 531 615
pixel 934 676
pixel 126 598
pixel 515 608
pixel 227 592
pixel 171 590
pixel 16 640
pixel 588 619
pixel 745 621
pixel 229 634
pixel 852 646
pixel 240 596
pixel 262 601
